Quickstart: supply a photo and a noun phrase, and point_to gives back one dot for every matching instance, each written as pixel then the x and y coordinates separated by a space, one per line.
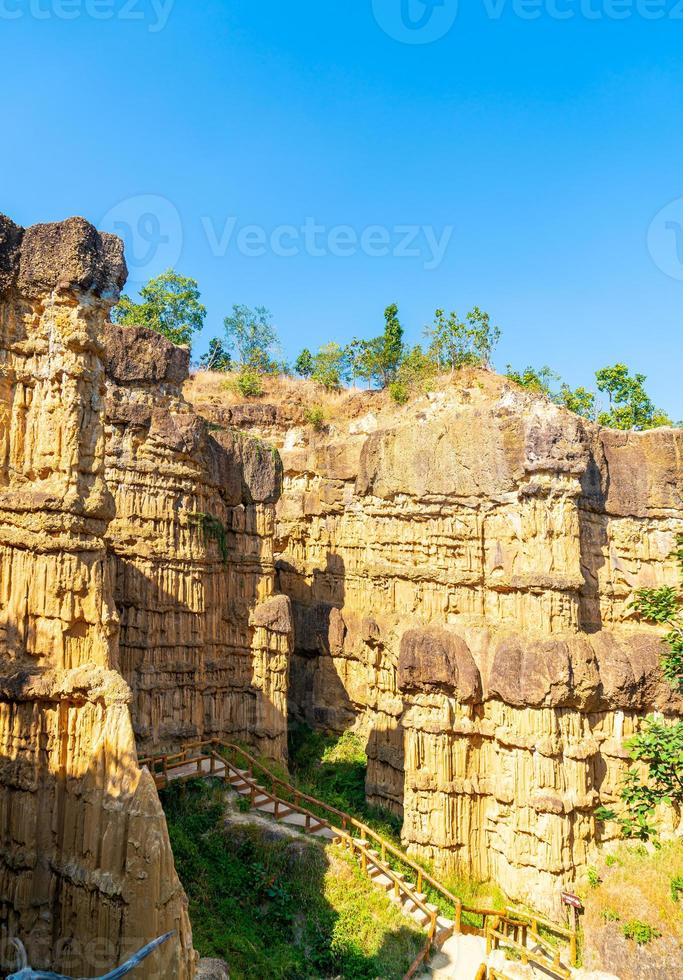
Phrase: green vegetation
pixel 629 405
pixel 658 749
pixel 303 366
pixel 315 417
pixel 640 932
pixel 329 367
pixel 332 768
pixel 248 383
pixel 280 906
pixel 637 885
pixel 455 343
pixel 252 336
pixel 593 877
pixel 169 304
pixel 216 358
pixel 212 529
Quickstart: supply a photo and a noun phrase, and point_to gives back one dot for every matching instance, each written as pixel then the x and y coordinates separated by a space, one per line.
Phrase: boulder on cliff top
pixel 62 255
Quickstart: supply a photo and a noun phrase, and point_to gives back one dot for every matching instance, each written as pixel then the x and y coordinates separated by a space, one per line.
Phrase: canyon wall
pixel 204 644
pixel 461 571
pixel 136 598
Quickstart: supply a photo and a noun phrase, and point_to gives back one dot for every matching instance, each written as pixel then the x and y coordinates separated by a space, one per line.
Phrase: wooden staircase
pixel 406 883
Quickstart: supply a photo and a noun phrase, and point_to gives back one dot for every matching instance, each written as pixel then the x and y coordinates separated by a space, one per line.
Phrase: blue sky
pixel 522 156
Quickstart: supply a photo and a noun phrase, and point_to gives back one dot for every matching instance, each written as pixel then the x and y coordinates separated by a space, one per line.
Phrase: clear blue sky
pixel 548 146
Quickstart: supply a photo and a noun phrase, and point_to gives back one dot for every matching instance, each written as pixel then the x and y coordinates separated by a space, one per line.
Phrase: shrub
pixel 676 887
pixel 640 932
pixel 315 417
pixel 593 877
pixel 399 392
pixel 249 383
pixel 609 915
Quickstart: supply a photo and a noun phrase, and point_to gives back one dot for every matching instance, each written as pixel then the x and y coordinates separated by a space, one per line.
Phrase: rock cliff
pixel 461 571
pixel 136 584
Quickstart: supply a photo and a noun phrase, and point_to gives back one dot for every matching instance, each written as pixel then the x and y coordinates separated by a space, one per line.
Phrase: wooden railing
pixel 514 934
pixel 513 921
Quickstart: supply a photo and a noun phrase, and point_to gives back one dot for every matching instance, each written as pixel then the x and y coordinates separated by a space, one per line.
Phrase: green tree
pixel 251 334
pixel 216 358
pixel 168 304
pixel 629 404
pixel 355 359
pixel 577 400
pixel 414 375
pixel 379 359
pixel 304 363
pixel 538 380
pixel 455 342
pixel 330 366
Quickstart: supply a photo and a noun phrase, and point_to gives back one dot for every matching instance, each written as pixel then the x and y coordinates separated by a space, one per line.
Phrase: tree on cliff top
pixel 456 343
pixel 251 334
pixel 629 404
pixel 169 304
pixel 379 359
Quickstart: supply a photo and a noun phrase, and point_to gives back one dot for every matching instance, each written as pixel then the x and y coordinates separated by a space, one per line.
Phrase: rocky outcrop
pixel 191 556
pixel 86 871
pixel 137 598
pixel 461 573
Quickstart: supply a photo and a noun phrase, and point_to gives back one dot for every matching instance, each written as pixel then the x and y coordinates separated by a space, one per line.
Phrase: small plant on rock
pixel 315 417
pixel 640 932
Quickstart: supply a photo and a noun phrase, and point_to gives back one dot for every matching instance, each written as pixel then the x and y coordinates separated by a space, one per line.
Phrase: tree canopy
pixel 169 304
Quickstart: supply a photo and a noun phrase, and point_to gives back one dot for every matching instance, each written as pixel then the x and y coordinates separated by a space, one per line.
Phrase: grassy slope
pixel 280 907
pixel 332 768
pixel 637 885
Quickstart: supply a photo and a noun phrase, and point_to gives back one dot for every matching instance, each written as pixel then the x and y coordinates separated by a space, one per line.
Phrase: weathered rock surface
pixel 191 556
pixel 461 575
pixel 134 548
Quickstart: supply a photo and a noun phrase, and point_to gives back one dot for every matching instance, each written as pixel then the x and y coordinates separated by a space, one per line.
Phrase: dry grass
pixel 297 397
pixel 636 884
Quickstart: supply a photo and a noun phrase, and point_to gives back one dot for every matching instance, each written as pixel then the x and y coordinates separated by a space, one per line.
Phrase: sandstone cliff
pixel 461 571
pixel 134 547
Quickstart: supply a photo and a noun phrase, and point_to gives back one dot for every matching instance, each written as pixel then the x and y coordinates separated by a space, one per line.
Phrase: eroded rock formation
pixel 461 574
pixel 134 547
pixel 192 558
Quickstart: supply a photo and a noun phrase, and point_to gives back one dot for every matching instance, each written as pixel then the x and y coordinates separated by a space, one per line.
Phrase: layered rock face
pixel 134 547
pixel 86 871
pixel 461 578
pixel 204 645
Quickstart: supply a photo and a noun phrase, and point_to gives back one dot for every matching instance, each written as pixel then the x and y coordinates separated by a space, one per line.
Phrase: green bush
pixel 640 932
pixel 315 417
pixel 399 392
pixel 249 383
pixel 593 877
pixel 609 915
pixel 676 887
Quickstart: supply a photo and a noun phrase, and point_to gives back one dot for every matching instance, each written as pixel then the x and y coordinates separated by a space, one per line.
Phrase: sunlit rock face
pixel 461 572
pixel 198 662
pixel 118 609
